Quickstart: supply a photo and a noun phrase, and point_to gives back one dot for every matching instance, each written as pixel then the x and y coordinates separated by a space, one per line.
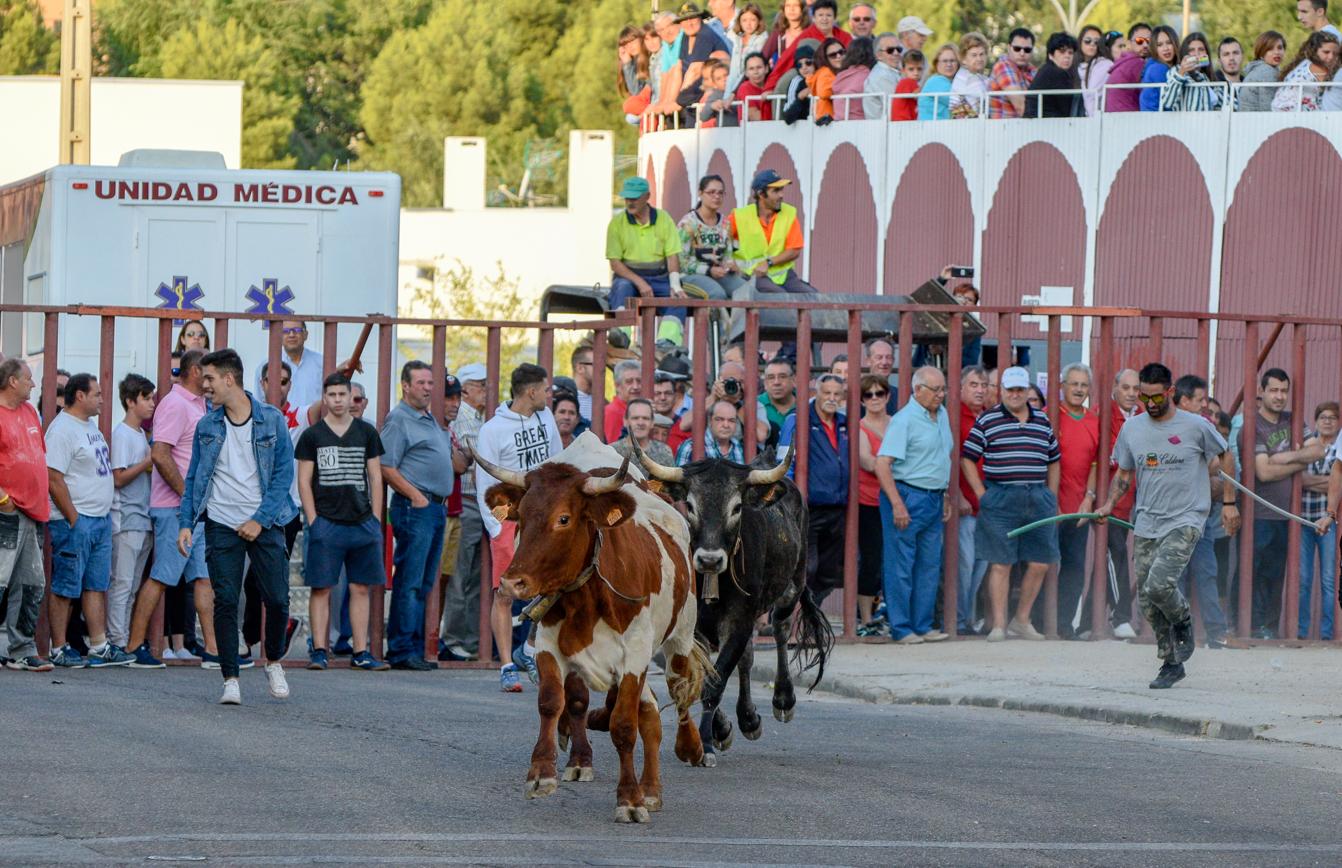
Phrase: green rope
pixel 1057 518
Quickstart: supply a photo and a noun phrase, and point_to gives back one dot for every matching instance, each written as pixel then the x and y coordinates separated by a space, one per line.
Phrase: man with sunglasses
pixel 861 20
pixel 305 366
pixel 1012 75
pixel 884 76
pixel 1128 70
pixel 1172 454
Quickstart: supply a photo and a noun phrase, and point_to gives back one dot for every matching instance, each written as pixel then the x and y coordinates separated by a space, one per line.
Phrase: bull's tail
pixel 815 637
pixel 685 688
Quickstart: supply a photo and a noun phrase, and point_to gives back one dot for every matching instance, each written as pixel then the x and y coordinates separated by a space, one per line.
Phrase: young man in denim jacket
pixel 242 464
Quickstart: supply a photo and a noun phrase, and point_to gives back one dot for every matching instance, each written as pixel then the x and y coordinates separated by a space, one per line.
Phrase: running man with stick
pixel 1172 453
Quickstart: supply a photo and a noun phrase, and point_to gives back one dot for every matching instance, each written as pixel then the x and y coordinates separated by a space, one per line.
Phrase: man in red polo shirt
pixel 1079 440
pixel 24 507
pixel 1122 408
pixel 973 397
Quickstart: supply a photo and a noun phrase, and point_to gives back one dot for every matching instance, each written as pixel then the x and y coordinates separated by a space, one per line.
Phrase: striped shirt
pixel 1013 452
pixel 735 452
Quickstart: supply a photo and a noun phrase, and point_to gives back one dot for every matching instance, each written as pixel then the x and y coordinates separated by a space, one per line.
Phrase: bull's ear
pixel 609 510
pixel 763 495
pixel 502 500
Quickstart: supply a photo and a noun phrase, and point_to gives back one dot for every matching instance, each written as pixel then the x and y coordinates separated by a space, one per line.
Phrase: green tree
pixel 211 51
pixel 464 73
pixel 27 47
pixel 585 65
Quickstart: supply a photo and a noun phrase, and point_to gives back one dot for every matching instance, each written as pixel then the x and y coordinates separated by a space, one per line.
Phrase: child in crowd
pixel 132 535
pixel 716 110
pixel 906 108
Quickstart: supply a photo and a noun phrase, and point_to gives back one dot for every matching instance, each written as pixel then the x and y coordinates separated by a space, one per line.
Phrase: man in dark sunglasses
pixel 861 20
pixel 1171 453
pixel 1012 74
pixel 306 365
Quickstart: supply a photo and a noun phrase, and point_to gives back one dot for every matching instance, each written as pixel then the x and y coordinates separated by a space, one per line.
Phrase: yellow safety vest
pixel 752 246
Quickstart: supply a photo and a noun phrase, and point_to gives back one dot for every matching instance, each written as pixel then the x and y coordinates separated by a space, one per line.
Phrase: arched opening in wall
pixel 777 158
pixel 1153 250
pixel 676 199
pixel 1035 242
pixel 843 242
pixel 651 175
pixel 721 166
pixel 1281 254
pixel 931 221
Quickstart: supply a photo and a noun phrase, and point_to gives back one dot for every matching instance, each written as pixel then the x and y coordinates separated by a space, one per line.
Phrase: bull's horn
pixel 769 477
pixel 659 471
pixel 606 484
pixel 512 477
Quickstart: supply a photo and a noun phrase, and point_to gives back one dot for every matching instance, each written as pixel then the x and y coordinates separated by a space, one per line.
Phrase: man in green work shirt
pixel 643 246
pixel 779 399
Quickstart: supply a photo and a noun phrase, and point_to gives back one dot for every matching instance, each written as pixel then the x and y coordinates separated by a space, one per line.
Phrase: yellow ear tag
pixel 500 513
pixel 655 486
pixel 613 516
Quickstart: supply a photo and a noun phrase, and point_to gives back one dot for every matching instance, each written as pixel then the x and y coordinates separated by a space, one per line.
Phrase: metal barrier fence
pixel 1105 359
pixel 386 353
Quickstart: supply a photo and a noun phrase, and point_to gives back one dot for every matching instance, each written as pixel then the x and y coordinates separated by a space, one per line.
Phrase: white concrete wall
pixel 127 113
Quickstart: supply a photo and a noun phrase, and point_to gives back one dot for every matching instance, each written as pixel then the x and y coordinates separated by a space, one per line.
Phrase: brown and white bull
pixel 609 559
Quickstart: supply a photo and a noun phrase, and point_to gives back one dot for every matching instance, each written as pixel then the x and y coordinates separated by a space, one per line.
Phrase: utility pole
pixel 76 81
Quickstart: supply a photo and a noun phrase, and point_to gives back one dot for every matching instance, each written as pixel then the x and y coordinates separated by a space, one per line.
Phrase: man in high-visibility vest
pixel 768 236
pixel 643 247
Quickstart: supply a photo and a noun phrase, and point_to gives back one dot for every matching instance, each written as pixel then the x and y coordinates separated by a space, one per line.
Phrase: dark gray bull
pixel 747 538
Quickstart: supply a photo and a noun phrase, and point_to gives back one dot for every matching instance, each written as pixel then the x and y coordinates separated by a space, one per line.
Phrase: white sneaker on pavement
pixel 935 636
pixel 997 634
pixel 232 693
pixel 1125 631
pixel 909 639
pixel 168 654
pixel 279 688
pixel 1024 630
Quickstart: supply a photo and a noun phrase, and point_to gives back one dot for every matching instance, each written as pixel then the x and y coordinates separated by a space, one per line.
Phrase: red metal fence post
pixel 599 384
pixel 1053 396
pixel 1290 608
pixel 1103 373
pixel 950 552
pixel 385 390
pixel 801 460
pixel 752 383
pixel 545 352
pixel 699 384
pixel 647 345
pixel 1247 440
pixel 330 347
pixel 493 361
pixel 854 408
pixel 220 332
pixel 106 359
pixel 905 357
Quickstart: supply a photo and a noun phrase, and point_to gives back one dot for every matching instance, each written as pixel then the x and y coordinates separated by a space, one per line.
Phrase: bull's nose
pixel 710 561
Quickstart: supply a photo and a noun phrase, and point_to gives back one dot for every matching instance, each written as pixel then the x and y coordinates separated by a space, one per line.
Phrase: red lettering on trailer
pixel 128 190
pixel 347 196
pixel 105 189
pixel 246 193
pixel 207 192
pixel 243 194
pixel 326 195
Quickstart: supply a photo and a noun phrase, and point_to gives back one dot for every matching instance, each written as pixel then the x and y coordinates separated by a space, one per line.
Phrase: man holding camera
pixel 730 387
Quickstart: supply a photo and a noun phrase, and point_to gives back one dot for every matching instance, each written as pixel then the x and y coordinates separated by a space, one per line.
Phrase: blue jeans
pixel 81 557
pixel 1326 546
pixel 1202 568
pixel 419 546
pixel 970 576
pixel 622 289
pixel 911 561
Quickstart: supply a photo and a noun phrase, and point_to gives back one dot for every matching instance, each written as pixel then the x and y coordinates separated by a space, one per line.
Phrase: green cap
pixel 634 187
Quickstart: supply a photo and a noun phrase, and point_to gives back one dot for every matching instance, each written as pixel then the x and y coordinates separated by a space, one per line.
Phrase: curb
pixel 850 688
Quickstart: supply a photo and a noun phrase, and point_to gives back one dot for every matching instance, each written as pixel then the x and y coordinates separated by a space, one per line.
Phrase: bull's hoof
pixel 722 742
pixel 540 788
pixel 579 773
pixel 753 734
pixel 652 803
pixel 708 761
pixel 783 715
pixel 631 814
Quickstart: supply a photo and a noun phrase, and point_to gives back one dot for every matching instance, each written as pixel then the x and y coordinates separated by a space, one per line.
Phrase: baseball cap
pixel 1015 378
pixel 914 23
pixel 564 384
pixel 634 187
pixel 661 421
pixel 451 386
pixel 765 178
pixel 472 372
pixel 672 367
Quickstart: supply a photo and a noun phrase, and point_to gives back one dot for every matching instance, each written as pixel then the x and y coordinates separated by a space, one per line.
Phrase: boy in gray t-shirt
pixel 1171 453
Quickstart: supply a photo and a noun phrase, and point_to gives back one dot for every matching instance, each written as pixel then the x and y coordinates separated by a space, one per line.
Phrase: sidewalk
pixel 1277 694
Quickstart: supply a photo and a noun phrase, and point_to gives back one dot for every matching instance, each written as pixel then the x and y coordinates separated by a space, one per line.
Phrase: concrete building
pixel 535 246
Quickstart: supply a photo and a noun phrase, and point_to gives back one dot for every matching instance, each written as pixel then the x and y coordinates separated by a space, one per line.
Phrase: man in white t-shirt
pixel 79 471
pixel 132 530
pixel 241 469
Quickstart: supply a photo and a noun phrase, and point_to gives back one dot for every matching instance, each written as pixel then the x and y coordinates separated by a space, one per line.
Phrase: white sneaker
pixel 279 688
pixel 1024 630
pixel 997 634
pixel 1125 631
pixel 232 693
pixel 168 654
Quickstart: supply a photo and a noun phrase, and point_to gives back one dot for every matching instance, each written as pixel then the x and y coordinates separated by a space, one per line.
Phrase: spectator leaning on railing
pixel 971 81
pixel 883 77
pixel 1128 70
pixel 759 108
pixel 905 107
pixel 852 79
pixel 1316 61
pixel 1057 74
pixel 826 482
pixel 935 103
pixel 1012 75
pixel 1269 50
pixel 1164 57
pixel 1186 88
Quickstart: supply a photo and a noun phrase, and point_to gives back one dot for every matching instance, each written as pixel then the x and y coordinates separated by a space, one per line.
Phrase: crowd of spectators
pixel 735 62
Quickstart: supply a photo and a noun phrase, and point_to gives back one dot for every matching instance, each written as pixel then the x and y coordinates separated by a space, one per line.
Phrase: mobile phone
pixel 962 271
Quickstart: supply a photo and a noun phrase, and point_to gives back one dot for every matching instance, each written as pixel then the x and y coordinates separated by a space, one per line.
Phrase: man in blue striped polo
pixel 1019 485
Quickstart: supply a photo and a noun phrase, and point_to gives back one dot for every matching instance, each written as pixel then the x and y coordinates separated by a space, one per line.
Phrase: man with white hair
pixel 826 483
pixel 1079 442
pixel 883 78
pixel 1123 407
pixel 913 467
pixel 628 385
pixel 862 20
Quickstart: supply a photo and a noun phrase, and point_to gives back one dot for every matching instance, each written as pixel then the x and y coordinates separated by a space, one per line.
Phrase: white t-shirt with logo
pixel 78 451
pixel 235 490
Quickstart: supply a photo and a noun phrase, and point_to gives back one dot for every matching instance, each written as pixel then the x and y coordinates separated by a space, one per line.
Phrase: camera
pixel 731 387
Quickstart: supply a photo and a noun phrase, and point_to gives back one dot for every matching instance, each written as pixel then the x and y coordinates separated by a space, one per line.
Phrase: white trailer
pixel 178 230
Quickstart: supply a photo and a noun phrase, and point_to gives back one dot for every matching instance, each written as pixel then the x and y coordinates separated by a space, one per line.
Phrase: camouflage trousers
pixel 1159 564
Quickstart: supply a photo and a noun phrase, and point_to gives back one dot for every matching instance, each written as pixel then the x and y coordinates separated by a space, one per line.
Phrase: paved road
pixel 367 768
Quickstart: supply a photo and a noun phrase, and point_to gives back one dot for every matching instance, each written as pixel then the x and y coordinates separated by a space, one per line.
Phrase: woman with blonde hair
pixel 935 102
pixel 971 79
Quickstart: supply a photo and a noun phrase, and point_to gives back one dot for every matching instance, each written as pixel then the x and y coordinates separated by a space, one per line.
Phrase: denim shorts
pixel 1002 509
pixel 356 547
pixel 170 565
pixel 81 557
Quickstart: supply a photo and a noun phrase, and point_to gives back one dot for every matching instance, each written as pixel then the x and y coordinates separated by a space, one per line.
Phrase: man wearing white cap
pixel 1019 485
pixel 913 32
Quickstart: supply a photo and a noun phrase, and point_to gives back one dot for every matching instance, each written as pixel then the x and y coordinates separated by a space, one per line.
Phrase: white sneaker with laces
pixel 279 688
pixel 997 634
pixel 232 693
pixel 1125 631
pixel 168 654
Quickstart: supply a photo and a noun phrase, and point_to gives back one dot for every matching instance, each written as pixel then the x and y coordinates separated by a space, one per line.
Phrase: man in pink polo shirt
pixel 175 421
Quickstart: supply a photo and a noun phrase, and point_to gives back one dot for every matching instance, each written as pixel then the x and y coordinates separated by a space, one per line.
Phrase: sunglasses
pixel 873 395
pixel 359 400
pixel 1023 49
pixel 1157 400
pixel 294 330
pixel 1141 40
pixel 1090 40
pixel 887 51
pixel 865 19
pixel 935 390
pixel 833 54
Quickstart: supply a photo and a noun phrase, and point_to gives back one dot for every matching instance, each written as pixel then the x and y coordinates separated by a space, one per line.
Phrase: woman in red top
pixel 875 392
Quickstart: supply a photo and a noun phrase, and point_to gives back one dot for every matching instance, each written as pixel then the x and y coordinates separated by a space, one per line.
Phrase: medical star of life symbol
pixel 270 298
pixel 180 296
